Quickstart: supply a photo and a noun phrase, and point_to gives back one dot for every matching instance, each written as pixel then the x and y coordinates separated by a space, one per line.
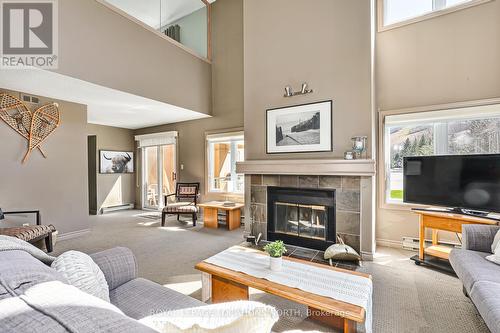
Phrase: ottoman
pixel 32 234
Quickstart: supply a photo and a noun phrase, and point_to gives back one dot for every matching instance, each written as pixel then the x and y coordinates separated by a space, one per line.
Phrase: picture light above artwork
pixel 303 91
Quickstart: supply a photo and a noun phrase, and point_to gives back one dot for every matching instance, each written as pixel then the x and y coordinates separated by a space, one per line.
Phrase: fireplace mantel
pixel 333 167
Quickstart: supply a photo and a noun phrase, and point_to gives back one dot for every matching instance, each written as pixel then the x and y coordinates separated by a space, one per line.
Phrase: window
pixel 184 21
pixel 159 172
pixel 224 150
pixel 474 130
pixel 397 11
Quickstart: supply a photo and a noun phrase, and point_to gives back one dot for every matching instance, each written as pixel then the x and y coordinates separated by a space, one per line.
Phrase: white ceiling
pixel 105 106
pixel 158 13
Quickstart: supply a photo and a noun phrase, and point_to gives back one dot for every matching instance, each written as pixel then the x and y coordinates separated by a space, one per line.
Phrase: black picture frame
pixel 329 129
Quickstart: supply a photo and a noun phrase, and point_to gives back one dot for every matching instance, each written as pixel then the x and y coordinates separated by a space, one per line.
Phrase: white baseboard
pixel 73 234
pixel 110 209
pixel 390 243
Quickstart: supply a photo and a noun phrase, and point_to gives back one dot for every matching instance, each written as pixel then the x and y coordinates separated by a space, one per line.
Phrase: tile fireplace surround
pixel 353 182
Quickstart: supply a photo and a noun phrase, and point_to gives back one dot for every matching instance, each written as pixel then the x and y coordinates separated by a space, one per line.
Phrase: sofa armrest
pixel 118 265
pixel 478 237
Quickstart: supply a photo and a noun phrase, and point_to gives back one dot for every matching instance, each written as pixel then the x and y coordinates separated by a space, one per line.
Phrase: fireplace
pixel 302 217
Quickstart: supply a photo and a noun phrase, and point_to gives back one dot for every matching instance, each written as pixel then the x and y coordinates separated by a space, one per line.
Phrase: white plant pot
pixel 275 264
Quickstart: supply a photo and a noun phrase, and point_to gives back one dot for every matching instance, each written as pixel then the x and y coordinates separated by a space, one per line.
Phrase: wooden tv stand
pixel 441 221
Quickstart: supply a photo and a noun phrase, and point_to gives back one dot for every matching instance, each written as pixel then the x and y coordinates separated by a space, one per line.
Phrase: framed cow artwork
pixel 111 161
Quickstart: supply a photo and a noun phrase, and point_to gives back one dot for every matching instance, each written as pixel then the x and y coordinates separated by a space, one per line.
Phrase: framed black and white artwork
pixel 299 129
pixel 111 161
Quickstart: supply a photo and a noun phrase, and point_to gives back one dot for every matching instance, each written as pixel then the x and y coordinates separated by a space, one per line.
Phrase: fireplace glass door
pixel 301 220
pixel 301 217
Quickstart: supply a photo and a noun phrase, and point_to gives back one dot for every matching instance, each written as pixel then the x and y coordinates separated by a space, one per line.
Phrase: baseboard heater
pixel 110 209
pixel 411 243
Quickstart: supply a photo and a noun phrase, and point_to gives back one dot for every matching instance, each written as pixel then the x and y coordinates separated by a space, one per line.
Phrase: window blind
pixel 225 136
pixel 486 111
pixel 156 139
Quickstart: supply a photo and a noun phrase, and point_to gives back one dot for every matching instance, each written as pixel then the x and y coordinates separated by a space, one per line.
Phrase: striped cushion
pixel 180 208
pixel 186 190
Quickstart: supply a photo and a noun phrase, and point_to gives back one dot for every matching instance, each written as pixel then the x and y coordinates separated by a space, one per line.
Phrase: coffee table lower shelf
pixel 434 262
pixel 226 285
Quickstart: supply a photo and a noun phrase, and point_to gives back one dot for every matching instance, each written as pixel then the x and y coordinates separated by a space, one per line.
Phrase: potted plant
pixel 275 250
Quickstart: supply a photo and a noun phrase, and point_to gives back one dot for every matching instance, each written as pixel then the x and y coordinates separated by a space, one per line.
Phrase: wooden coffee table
pixel 210 211
pixel 228 285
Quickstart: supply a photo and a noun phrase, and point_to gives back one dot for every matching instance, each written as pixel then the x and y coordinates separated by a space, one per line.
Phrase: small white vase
pixel 275 264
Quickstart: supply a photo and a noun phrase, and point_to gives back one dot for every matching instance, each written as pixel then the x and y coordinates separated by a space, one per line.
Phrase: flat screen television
pixel 463 182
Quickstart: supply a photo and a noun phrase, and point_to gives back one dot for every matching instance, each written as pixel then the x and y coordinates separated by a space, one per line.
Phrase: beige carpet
pixel 162 252
pixel 407 298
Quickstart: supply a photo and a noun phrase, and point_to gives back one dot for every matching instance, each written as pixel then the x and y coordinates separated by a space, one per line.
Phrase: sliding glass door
pixel 158 174
pixel 150 177
pixel 169 173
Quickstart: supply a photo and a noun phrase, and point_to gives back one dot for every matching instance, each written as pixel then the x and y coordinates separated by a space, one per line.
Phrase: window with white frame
pixel 473 130
pixel 396 11
pixel 223 151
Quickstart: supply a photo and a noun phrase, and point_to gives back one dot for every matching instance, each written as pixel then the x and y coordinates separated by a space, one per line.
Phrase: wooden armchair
pixel 186 202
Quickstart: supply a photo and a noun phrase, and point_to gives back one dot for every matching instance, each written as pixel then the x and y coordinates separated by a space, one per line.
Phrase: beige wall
pixel 327 45
pixel 57 186
pixel 113 189
pixel 450 58
pixel 100 46
pixel 227 93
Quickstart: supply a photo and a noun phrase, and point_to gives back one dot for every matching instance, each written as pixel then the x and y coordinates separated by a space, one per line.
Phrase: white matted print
pixel 116 161
pixel 300 129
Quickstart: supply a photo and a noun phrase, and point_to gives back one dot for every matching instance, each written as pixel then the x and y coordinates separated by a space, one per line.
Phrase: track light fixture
pixel 303 90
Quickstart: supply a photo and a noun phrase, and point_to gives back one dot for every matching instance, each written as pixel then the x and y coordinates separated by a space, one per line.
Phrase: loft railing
pixel 187 22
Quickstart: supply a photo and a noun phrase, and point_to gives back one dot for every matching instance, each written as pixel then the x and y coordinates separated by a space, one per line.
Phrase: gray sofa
pixel 136 297
pixel 480 277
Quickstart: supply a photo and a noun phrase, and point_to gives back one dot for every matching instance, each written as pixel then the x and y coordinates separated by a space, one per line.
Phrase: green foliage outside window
pixel 418 146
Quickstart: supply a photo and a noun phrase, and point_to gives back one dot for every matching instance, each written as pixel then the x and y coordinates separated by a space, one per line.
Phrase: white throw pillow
pixel 496 240
pixel 56 295
pixel 230 317
pixel 82 272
